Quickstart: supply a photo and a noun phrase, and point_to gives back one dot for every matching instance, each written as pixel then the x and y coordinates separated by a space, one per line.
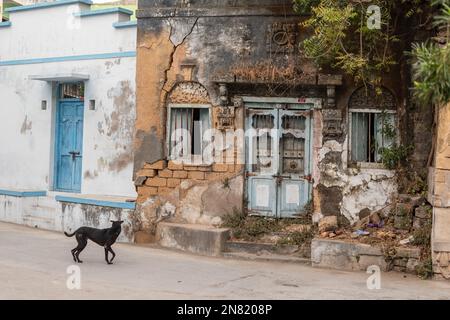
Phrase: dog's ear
pixel 121 222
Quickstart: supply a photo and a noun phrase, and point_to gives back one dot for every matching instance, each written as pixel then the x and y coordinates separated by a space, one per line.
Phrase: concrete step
pixel 204 240
pixel 257 248
pixel 266 257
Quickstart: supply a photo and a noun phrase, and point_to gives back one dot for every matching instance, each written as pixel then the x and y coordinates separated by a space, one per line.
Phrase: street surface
pixel 33 265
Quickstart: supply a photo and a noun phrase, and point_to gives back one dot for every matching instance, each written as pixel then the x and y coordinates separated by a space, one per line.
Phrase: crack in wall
pixel 174 50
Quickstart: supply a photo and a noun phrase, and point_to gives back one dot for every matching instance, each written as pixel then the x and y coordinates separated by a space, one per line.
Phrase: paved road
pixel 33 265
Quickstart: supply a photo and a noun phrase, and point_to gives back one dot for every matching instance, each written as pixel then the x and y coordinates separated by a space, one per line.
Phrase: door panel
pixel 69 145
pixel 263 199
pixel 295 142
pixel 278 161
pixel 262 161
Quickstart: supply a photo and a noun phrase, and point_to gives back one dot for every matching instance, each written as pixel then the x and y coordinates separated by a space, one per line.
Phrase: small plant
pixel 425 269
pixel 418 186
pixel 299 238
pixel 249 228
pixel 393 154
pixel 226 183
pixel 422 236
pixel 233 220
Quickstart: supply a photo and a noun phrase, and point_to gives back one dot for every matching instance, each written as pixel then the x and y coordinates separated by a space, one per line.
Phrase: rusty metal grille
pixel 262 142
pixel 293 144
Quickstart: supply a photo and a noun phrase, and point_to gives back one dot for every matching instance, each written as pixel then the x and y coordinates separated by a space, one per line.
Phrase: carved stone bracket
pixel 332 123
pixel 223 94
pixel 331 96
pixel 226 115
pixel 225 118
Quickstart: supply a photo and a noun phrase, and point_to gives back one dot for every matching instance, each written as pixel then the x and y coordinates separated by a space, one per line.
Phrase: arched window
pixel 372 123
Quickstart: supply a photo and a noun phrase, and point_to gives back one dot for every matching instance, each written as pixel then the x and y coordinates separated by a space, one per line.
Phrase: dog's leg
pixel 113 254
pixel 82 243
pixel 106 255
pixel 73 253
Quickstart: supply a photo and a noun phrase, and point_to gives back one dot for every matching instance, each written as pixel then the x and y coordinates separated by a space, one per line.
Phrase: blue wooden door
pixel 69 146
pixel 294 179
pixel 262 161
pixel 278 160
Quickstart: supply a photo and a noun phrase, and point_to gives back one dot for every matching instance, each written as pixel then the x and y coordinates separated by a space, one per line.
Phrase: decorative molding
pixel 282 38
pixel 189 93
pixel 370 98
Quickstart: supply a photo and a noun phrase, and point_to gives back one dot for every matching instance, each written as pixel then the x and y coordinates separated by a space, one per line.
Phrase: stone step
pixel 258 248
pixel 266 257
pixel 198 239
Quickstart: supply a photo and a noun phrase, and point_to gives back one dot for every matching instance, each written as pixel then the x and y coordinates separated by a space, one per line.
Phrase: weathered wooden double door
pixel 278 159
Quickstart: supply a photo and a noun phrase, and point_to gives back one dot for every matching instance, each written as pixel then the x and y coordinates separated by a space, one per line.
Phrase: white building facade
pixel 67 113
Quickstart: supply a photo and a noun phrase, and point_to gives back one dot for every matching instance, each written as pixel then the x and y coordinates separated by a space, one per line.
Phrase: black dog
pixel 105 238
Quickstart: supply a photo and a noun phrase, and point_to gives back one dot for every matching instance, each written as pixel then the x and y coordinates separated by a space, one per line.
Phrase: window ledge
pixel 369 165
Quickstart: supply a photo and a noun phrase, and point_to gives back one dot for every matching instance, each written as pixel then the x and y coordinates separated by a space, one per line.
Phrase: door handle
pixel 74 154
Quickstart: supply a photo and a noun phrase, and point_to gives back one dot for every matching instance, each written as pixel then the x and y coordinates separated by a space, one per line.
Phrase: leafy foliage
pixel 343 39
pixel 432 67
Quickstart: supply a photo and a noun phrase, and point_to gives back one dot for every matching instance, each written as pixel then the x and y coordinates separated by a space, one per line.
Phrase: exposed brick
pixel 164 190
pixel 173 183
pixel 158 165
pixel 139 181
pixel 147 173
pixel 166 173
pixel 212 176
pixel 196 175
pixel 174 166
pixel 231 168
pixel 180 174
pixel 156 182
pixel 198 168
pixel 145 192
pixel 220 167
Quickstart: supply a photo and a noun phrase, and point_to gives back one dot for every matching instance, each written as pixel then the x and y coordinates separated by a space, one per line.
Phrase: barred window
pixel 370 132
pixel 187 126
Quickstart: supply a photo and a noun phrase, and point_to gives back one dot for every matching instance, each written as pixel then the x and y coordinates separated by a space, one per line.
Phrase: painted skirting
pixel 22 194
pixel 47 5
pixel 95 202
pixel 90 13
pixel 125 54
pixel 125 24
pixel 5 24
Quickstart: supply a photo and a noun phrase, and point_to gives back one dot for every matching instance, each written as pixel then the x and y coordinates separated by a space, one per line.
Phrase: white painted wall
pixel 48 214
pixel 27 132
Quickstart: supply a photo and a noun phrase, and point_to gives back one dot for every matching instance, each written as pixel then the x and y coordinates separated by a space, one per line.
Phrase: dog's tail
pixel 69 235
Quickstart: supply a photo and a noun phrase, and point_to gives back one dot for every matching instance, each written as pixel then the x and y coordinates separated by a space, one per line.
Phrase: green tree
pixel 342 38
pixel 431 71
